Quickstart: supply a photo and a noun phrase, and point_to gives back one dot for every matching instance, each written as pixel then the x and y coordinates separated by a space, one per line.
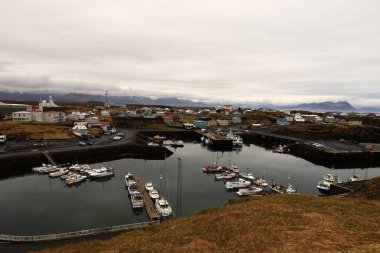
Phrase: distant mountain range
pixel 342 106
pixel 119 100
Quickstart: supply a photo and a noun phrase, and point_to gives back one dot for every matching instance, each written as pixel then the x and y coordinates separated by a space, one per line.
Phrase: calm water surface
pixel 35 204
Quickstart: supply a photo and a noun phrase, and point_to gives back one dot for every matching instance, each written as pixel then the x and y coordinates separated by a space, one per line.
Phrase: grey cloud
pixel 276 51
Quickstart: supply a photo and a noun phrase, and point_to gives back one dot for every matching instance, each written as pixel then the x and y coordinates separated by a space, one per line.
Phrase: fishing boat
pixel 241 183
pixel 163 208
pixel 154 194
pixel 261 181
pixel 101 173
pixel 236 139
pixel 128 179
pixel 324 186
pixel 234 168
pixel 354 178
pixel 177 144
pixel 75 179
pixel 277 188
pixel 252 190
pixel 137 200
pixel 291 189
pixel 225 176
pixel 59 173
pixel 213 168
pixel 246 175
pixel 149 186
pixel 132 188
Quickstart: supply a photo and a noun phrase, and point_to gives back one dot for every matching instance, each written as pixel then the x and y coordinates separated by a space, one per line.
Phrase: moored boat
pixel 163 208
pixel 154 194
pixel 213 168
pixel 101 173
pixel 59 173
pixel 241 183
pixel 137 200
pixel 246 175
pixel 252 190
pixel 277 188
pixel 225 176
pixel 149 186
pixel 261 182
pixel 291 189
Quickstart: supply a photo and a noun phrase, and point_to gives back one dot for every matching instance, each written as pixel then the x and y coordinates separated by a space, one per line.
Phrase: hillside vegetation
pixel 32 130
pixel 291 223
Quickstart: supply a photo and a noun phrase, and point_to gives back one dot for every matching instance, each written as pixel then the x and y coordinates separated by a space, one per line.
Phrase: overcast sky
pixel 283 51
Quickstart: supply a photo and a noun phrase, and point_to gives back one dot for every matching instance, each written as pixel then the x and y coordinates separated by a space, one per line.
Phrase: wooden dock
pixel 148 202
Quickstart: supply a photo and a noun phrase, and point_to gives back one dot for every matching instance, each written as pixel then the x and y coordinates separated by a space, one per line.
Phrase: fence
pixel 68 235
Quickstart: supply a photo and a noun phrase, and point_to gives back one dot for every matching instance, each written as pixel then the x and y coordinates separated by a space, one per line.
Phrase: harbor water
pixel 35 204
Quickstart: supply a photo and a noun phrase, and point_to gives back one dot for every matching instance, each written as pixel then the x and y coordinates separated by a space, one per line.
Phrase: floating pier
pixel 148 202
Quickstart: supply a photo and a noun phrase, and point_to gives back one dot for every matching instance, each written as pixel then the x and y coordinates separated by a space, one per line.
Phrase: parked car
pixel 116 138
pixel 81 143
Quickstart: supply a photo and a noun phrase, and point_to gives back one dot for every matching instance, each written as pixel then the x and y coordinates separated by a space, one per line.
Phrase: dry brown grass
pixel 295 223
pixel 34 130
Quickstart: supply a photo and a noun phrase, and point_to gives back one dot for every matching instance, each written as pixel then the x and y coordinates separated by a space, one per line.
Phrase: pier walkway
pixel 148 202
pixel 82 233
pixel 276 136
pixel 49 158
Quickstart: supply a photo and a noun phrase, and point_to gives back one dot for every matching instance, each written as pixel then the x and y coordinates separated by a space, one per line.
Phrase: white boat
pixel 247 175
pixel 249 191
pixel 59 173
pixel 277 188
pixel 213 168
pixel 291 189
pixel 178 143
pixel 75 167
pixel 75 179
pixel 236 139
pixel 331 178
pixel 237 184
pixel 208 142
pixel 102 172
pixel 132 187
pixel 154 144
pixel 328 179
pixel 154 194
pixel 225 175
pixel 354 178
pixel 234 168
pixel 137 200
pixel 163 208
pixel 261 182
pixel 149 186
pixel 324 187
pixel 128 179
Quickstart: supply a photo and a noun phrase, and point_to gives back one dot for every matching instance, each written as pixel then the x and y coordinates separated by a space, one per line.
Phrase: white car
pixel 116 138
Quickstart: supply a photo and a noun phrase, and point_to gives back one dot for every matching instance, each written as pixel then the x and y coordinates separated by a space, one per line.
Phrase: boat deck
pixel 148 202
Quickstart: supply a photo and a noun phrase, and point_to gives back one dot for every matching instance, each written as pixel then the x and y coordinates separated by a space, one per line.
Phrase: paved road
pixel 13 147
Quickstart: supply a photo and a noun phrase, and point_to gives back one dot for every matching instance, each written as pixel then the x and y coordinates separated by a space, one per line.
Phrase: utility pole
pixel 179 187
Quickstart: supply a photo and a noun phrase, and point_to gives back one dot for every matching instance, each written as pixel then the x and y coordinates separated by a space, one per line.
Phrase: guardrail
pixel 68 235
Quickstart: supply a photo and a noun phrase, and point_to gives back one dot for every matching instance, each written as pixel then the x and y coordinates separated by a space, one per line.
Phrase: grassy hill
pixel 289 223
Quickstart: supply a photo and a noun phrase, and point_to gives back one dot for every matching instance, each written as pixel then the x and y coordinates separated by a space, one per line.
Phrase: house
pixel 105 113
pixel 228 108
pixel 200 124
pixel 22 116
pixel 212 123
pixel 6 110
pixel 92 120
pixel 329 119
pixel 53 117
pixel 236 120
pixel 289 117
pixel 80 130
pixel 282 121
pixel 223 122
pixel 355 123
pixel 298 119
